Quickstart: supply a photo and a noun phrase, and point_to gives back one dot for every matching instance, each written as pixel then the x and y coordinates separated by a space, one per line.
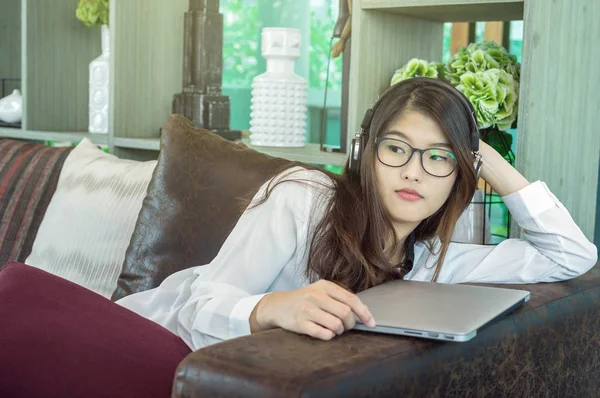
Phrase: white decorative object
pixel 470 227
pixel 11 107
pixel 99 80
pixel 279 96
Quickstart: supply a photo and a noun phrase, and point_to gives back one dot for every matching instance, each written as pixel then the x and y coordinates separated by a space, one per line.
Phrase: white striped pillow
pixel 85 232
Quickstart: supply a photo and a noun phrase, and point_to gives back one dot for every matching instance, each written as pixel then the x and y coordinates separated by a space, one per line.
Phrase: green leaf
pixel 92 12
pixel 416 68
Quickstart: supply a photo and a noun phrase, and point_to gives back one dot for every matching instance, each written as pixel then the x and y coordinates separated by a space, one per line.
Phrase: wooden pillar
pixel 460 36
pixel 558 140
pixel 493 31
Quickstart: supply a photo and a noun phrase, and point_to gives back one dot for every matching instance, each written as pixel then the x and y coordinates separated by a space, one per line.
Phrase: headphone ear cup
pixel 355 155
pixel 477 164
pixel 354 158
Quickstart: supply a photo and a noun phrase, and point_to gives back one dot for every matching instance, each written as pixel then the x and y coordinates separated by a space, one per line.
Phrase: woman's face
pixel 408 192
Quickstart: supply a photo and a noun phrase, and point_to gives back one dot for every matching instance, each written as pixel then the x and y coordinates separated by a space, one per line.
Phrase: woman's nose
pixel 413 170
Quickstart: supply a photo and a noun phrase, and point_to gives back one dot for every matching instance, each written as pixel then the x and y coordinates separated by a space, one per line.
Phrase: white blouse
pixel 267 252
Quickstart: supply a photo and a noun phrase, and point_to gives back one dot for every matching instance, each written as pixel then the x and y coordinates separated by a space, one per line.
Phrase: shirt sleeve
pixel 553 247
pixel 211 303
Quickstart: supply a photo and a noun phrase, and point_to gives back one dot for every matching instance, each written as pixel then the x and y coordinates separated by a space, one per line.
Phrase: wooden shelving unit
pixel 52 50
pixel 146 41
pixel 56 52
pixel 146 65
pixel 100 139
pixel 148 144
pixel 311 153
pixel 451 10
pixel 558 140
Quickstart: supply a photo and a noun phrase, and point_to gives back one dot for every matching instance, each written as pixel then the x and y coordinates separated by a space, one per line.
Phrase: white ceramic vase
pixel 11 107
pixel 279 96
pixel 98 87
pixel 470 226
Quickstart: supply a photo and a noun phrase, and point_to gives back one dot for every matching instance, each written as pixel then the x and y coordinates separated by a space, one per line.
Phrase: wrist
pixel 261 319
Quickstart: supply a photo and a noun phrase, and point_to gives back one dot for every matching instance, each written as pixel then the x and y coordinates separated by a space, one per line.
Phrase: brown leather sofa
pixel 548 348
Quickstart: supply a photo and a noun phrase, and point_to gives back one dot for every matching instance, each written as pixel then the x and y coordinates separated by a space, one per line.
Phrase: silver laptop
pixel 435 310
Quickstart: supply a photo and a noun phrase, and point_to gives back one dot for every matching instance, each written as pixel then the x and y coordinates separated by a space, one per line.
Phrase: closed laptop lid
pixel 437 307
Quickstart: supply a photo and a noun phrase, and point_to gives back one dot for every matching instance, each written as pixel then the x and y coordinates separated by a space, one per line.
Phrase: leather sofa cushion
pixel 198 191
pixel 59 339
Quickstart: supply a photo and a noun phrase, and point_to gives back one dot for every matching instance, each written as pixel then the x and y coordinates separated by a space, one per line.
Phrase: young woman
pixel 309 241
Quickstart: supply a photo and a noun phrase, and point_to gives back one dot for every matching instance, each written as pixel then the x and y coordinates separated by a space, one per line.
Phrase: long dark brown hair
pixel 347 246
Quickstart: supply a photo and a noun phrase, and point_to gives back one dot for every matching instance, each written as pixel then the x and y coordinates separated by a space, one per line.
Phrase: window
pixel 243 21
pixel 516 39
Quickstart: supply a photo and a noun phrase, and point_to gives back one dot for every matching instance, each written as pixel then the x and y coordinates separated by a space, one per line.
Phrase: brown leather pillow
pixel 193 203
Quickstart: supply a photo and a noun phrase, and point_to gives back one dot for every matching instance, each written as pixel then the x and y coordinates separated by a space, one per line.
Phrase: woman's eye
pixel 440 157
pixel 395 149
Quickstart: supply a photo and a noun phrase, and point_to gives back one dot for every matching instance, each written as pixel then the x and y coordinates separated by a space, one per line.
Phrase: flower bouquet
pixel 489 77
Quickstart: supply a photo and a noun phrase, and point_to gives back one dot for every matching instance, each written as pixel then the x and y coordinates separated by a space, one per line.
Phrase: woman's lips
pixel 409 194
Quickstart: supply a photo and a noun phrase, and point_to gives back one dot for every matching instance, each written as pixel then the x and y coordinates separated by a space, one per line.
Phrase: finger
pixel 337 309
pixel 351 300
pixel 316 331
pixel 328 321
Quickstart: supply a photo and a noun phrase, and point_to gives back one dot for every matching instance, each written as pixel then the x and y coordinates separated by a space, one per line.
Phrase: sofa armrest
pixel 549 347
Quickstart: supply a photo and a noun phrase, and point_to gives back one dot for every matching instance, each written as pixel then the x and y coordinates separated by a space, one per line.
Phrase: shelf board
pixel 99 139
pixel 310 154
pixel 451 10
pixel 149 144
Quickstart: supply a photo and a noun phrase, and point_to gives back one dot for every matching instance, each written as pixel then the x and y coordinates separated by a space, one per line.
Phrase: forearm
pixel 500 174
pixel 347 31
pixel 348 26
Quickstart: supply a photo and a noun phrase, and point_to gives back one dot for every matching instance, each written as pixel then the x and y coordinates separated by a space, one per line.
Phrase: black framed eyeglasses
pixel 437 162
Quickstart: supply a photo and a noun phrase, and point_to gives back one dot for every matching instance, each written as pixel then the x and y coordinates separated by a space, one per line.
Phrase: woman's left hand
pixel 500 174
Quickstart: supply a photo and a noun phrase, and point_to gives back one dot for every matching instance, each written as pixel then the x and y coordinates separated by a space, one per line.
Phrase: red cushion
pixel 58 339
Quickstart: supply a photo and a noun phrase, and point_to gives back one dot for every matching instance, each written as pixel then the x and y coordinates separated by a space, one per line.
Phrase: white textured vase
pixel 99 81
pixel 470 226
pixel 11 107
pixel 279 96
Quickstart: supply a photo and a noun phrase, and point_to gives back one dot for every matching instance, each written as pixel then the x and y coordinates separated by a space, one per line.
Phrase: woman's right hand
pixel 321 310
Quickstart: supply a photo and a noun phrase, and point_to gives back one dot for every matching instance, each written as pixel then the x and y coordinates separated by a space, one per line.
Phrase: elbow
pixel 583 261
pixel 592 259
pixel 195 339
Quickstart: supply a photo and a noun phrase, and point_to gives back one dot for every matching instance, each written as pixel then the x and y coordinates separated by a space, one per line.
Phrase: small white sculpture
pixel 11 107
pixel 279 96
pixel 99 86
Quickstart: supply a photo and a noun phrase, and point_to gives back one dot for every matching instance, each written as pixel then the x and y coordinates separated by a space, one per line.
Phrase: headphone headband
pixel 358 143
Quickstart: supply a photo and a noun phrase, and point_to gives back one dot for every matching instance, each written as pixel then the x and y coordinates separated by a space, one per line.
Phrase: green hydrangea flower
pixel 494 94
pixel 478 57
pixel 92 12
pixel 417 68
pixel 440 69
